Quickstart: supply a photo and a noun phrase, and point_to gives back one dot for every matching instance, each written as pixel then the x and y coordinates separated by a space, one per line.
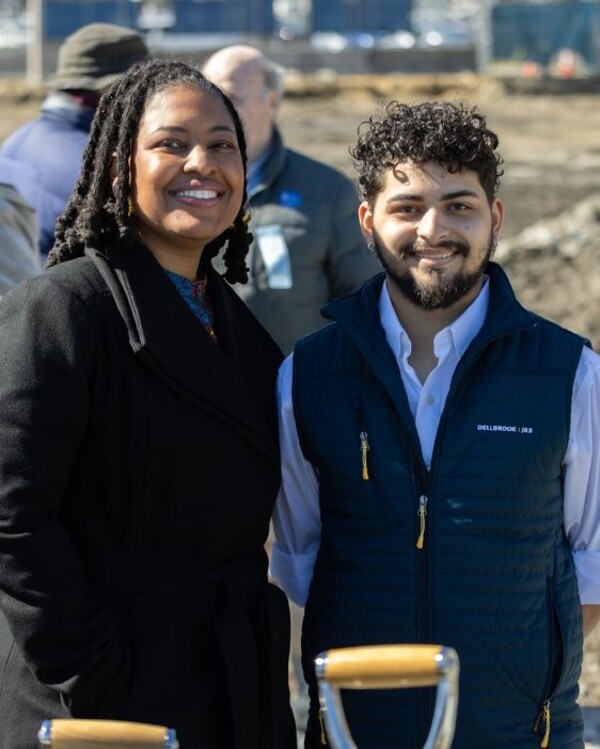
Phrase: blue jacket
pixel 495 577
pixel 43 157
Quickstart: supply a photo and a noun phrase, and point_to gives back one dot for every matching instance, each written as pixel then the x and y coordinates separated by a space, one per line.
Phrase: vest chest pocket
pixel 364 486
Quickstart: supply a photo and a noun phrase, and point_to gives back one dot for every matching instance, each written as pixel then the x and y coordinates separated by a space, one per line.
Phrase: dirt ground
pixel 551 187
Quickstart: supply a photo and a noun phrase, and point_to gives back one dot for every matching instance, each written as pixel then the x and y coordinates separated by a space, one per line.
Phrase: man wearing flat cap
pixel 42 158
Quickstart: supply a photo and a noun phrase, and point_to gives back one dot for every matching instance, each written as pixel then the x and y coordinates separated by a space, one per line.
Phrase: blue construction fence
pixel 523 31
pixel 361 15
pixel 520 30
pixel 62 17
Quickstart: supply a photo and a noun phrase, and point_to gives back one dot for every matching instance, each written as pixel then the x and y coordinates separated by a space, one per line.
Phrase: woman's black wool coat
pixel 138 471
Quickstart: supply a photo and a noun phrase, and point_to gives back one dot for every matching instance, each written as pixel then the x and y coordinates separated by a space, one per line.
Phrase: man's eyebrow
pixel 400 196
pixel 461 194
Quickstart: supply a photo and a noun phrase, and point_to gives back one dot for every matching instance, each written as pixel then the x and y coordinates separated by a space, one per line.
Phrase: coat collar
pixel 167 339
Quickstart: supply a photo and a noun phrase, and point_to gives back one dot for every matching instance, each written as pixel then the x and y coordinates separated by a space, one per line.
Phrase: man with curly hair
pixel 440 452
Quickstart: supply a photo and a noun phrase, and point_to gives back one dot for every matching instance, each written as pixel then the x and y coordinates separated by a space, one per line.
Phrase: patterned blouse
pixel 195 296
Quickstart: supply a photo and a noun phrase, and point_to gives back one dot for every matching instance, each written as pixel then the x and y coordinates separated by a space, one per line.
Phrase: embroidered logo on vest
pixel 504 428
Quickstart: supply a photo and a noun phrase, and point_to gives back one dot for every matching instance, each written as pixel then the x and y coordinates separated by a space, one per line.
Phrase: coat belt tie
pixel 244 581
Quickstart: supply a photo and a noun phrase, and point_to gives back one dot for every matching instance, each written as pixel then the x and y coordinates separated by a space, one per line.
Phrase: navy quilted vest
pixel 495 577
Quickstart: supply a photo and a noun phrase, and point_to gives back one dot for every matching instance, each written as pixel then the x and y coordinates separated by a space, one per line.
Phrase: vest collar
pixel 358 313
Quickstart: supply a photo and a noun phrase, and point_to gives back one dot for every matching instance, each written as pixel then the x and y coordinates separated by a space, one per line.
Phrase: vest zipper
pixel 422 481
pixel 544 715
pixel 422 513
pixel 364 449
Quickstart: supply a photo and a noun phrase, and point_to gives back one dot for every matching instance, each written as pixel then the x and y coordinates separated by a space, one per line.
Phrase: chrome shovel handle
pixel 389 667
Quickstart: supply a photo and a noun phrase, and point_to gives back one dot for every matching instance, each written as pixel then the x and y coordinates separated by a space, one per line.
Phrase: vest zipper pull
pixel 322 727
pixel 544 715
pixel 422 512
pixel 364 448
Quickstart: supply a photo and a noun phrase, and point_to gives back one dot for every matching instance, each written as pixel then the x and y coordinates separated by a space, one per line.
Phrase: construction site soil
pixel 551 187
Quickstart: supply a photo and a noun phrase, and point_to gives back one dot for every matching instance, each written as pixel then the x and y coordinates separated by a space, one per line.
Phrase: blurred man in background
pixel 308 247
pixel 42 158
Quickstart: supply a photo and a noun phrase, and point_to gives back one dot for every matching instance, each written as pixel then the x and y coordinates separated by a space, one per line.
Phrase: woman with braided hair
pixel 139 460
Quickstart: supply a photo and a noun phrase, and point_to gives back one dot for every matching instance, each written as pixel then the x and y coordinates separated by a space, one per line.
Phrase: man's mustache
pixel 413 247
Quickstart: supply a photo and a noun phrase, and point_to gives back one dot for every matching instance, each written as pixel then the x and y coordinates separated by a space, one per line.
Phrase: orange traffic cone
pixel 565 64
pixel 530 69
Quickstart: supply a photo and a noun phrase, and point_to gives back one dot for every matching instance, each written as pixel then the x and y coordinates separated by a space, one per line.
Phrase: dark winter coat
pixel 138 470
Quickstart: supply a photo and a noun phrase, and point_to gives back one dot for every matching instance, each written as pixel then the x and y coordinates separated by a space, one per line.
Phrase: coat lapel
pixel 167 338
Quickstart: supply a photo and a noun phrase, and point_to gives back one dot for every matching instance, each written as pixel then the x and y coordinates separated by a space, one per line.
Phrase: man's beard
pixel 440 293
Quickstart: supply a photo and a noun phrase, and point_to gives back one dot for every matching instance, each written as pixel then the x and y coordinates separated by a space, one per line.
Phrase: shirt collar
pixel 458 334
pixel 69 108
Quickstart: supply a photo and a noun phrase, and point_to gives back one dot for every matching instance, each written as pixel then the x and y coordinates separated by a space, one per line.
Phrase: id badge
pixel 275 254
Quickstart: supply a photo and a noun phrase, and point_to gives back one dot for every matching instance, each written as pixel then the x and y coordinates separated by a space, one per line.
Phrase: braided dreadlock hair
pixel 97 214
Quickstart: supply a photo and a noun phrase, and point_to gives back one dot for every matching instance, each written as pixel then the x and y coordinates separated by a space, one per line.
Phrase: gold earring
pixel 130 208
pixel 246 217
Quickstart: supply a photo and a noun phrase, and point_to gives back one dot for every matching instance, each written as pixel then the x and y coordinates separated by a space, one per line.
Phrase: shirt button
pixel 429 400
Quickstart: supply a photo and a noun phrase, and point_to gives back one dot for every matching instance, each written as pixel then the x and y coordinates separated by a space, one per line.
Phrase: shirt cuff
pixel 293 572
pixel 587 566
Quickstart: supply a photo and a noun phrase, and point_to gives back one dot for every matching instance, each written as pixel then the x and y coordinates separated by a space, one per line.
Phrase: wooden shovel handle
pixel 381 666
pixel 388 667
pixel 105 734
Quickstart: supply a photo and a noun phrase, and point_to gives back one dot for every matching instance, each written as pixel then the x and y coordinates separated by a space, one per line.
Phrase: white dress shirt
pixel 297 522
